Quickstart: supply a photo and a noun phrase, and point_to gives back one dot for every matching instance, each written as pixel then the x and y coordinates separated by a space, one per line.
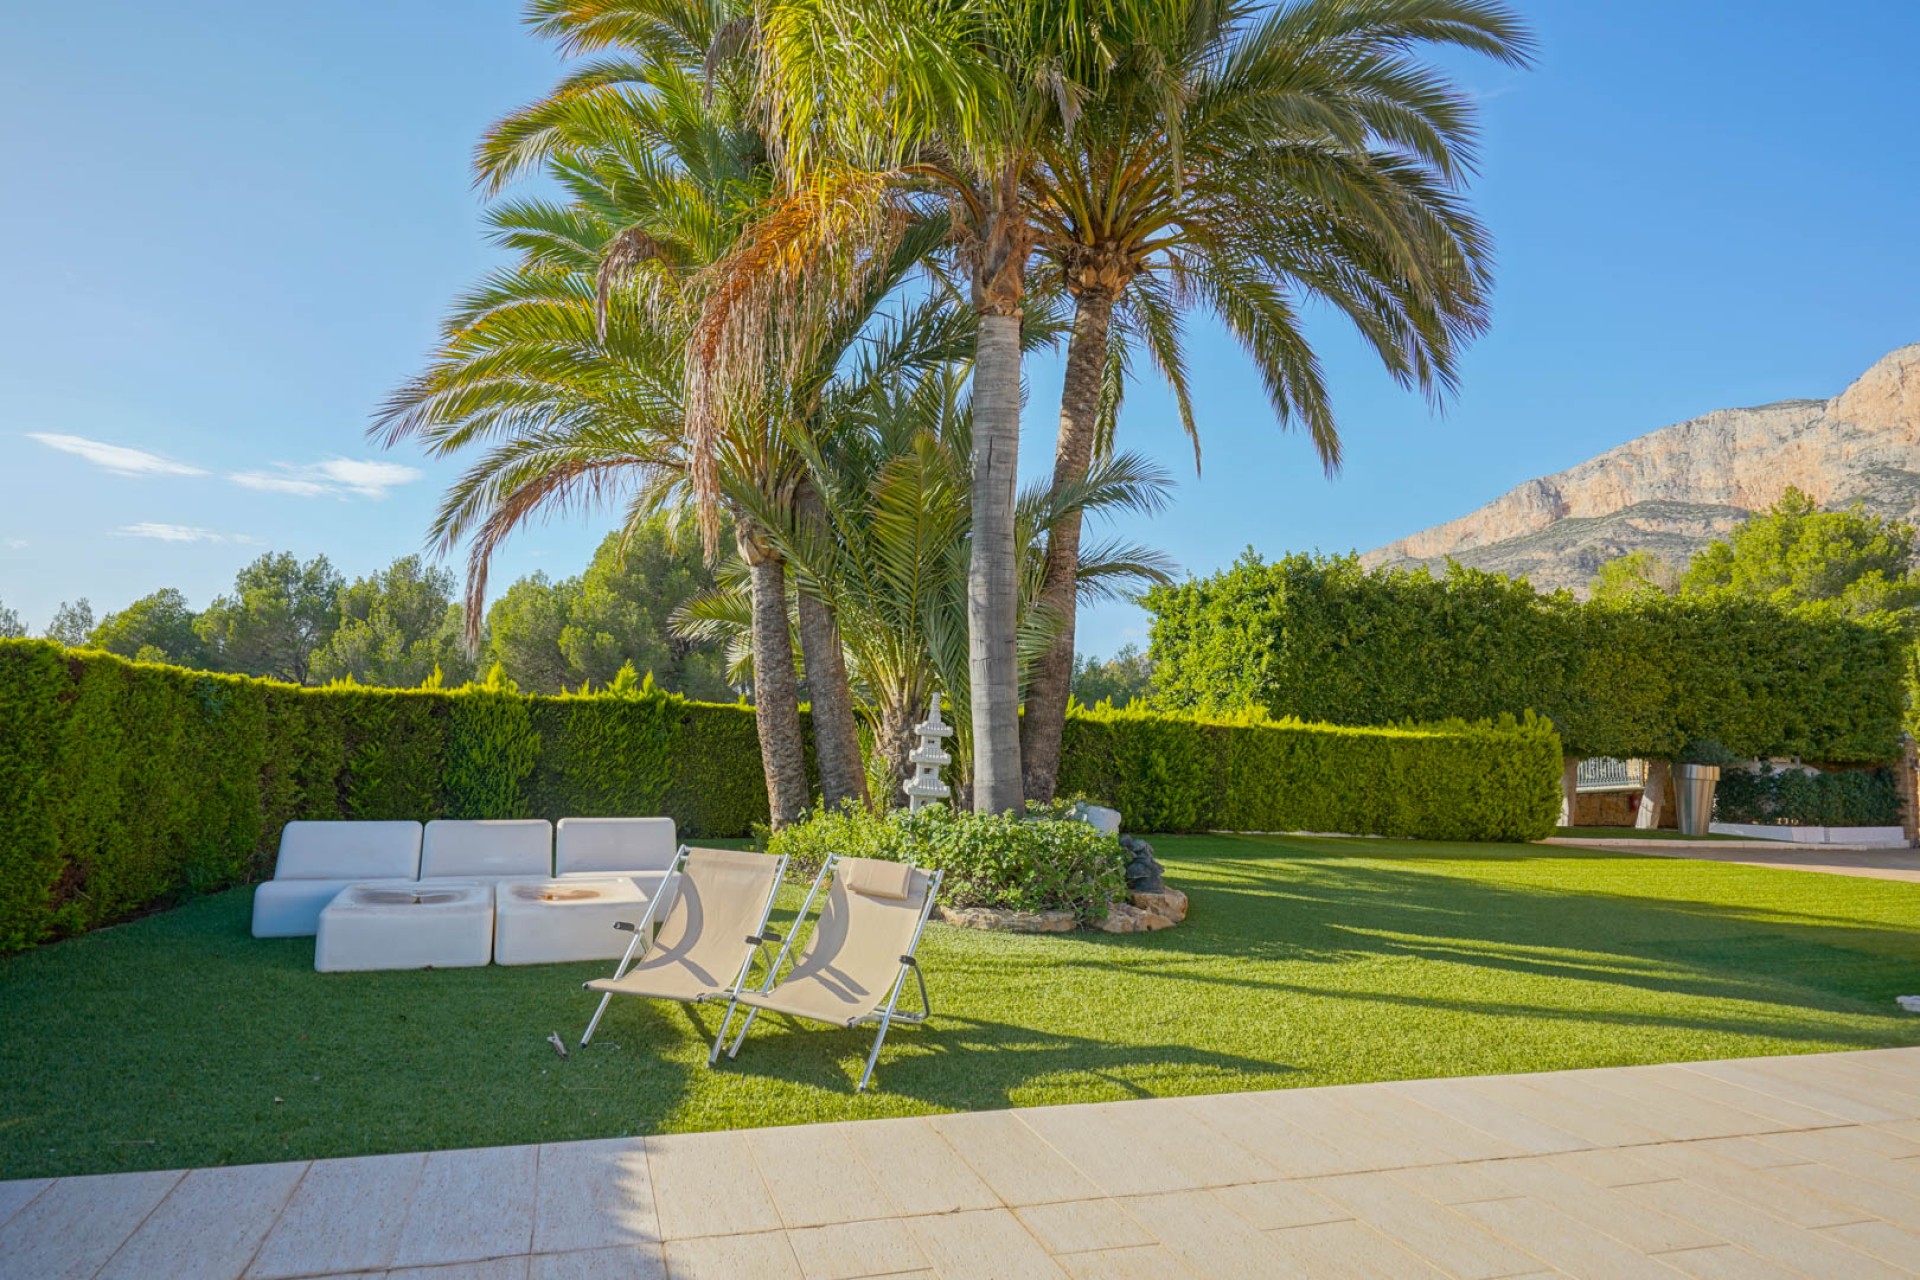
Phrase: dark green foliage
pixel 1124 678
pixel 125 785
pixel 1324 640
pixel 1844 798
pixel 1448 781
pixel 991 860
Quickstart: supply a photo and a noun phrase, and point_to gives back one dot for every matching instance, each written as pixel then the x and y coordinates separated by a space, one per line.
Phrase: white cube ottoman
pixel 444 925
pixel 550 921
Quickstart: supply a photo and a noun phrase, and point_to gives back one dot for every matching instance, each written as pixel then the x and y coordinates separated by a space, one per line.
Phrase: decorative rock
pixel 1170 903
pixel 1005 921
pixel 1124 917
pixel 1143 869
pixel 1105 821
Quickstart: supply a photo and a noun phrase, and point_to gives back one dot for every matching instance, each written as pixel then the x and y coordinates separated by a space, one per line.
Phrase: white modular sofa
pixel 319 859
pixel 606 870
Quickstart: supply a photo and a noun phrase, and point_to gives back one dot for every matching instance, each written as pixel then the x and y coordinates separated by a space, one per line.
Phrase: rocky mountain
pixel 1673 490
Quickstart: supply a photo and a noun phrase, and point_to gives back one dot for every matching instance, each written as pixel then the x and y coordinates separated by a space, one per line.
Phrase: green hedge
pixel 123 784
pixel 1323 639
pixel 1847 798
pixel 1495 780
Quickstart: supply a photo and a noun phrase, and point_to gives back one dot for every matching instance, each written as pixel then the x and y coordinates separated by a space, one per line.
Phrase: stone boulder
pixel 1124 917
pixel 1170 903
pixel 1004 921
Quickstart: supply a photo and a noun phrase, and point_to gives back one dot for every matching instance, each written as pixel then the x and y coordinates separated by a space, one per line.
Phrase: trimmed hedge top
pixel 1326 640
pixel 122 783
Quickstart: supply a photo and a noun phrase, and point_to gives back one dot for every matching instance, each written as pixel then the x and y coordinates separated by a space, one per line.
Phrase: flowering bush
pixel 991 860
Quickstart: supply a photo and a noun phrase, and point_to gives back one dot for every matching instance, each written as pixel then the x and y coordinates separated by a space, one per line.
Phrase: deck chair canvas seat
pixel 720 900
pixel 854 965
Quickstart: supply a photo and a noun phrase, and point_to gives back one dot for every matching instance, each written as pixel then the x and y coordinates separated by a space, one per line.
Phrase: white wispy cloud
pixel 117 458
pixel 16 544
pixel 178 533
pixel 336 477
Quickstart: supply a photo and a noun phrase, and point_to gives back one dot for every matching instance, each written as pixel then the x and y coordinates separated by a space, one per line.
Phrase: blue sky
pixel 232 227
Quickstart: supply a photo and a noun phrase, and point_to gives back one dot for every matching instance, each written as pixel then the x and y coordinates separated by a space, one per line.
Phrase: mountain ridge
pixel 1674 489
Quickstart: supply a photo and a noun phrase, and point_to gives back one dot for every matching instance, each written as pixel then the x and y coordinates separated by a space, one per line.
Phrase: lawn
pixel 180 1040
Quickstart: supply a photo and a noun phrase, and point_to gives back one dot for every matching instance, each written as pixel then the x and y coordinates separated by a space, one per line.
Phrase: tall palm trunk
pixel 1052 681
pixel 992 600
pixel 836 739
pixel 999 279
pixel 776 695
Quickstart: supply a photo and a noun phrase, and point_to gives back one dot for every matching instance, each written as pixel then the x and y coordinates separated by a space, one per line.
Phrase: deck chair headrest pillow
pixel 877 878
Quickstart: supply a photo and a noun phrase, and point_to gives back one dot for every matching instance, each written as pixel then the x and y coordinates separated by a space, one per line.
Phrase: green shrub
pixel 1495 780
pixel 990 860
pixel 1326 641
pixel 1795 797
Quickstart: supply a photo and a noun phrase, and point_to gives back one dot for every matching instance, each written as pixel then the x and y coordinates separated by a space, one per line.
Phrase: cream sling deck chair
pixel 713 930
pixel 853 967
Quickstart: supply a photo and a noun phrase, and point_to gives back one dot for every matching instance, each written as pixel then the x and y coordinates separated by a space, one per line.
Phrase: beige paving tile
pixel 345 1215
pixel 1399 1113
pixel 707 1184
pixel 1143 1262
pixel 1726 1262
pixel 1453 1184
pixel 1609 1167
pixel 1354 1248
pixel 916 1167
pixel 593 1195
pixel 621 1262
pixel 1448 1240
pixel 1847 1149
pixel 1755 1187
pixel 210 1224
pixel 1859 1078
pixel 1603 1120
pixel 1564 1243
pixel 850 1249
pixel 1878 1140
pixel 1601 1208
pixel 814 1176
pixel 1332 1120
pixel 1801 1088
pixel 1687 1117
pixel 1750 1152
pixel 1271 1206
pixel 1290 1151
pixel 1784 1111
pixel 1812 1253
pixel 1082 1226
pixel 982 1244
pixel 1012 1159
pixel 1875 1197
pixel 71 1228
pixel 1211 1239
pixel 491 1269
pixel 1882 1240
pixel 762 1255
pixel 16 1195
pixel 1140 1148
pixel 1457 1099
pixel 470 1205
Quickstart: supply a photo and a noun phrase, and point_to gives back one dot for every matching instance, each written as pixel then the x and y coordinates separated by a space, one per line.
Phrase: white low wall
pixel 1874 837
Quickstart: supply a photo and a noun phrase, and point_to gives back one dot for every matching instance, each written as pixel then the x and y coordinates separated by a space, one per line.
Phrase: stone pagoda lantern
pixel 924 787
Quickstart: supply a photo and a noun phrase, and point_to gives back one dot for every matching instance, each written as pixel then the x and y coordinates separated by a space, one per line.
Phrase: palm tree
pixel 893 475
pixel 571 363
pixel 1255 158
pixel 874 103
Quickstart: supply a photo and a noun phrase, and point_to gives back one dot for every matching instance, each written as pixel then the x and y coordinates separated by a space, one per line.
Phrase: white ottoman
pixel 444 925
pixel 549 921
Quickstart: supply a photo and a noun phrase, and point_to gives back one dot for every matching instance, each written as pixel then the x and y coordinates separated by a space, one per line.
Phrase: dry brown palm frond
pixel 623 256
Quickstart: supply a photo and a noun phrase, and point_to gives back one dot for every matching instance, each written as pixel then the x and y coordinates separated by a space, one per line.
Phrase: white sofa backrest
pixel 348 851
pixel 614 845
pixel 489 847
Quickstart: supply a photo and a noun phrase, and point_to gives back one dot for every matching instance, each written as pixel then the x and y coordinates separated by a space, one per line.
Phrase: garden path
pixel 1840 860
pixel 1765 1167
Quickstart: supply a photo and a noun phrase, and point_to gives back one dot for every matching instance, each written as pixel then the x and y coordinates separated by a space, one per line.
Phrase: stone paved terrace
pixel 1770 1167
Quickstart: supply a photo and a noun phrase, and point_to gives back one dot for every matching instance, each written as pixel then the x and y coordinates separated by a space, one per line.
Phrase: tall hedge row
pixel 1495 780
pixel 1323 639
pixel 124 783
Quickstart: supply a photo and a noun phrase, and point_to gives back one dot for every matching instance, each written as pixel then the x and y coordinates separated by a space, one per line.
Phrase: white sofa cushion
pixel 348 851
pixel 291 908
pixel 489 848
pixel 601 846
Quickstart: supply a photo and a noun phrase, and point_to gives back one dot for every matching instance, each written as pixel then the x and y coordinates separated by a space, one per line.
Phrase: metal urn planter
pixel 1693 796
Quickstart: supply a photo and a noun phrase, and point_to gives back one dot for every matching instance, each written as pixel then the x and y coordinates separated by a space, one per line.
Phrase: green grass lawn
pixel 180 1040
